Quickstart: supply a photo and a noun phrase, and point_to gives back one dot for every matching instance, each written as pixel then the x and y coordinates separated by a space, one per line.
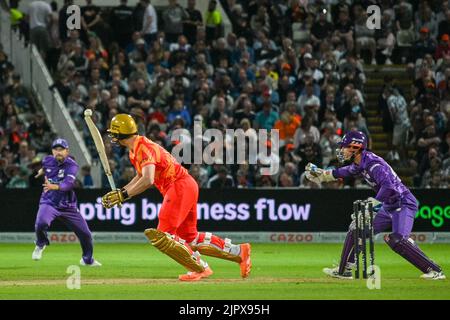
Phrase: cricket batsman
pixel 394 203
pixel 176 234
pixel 58 201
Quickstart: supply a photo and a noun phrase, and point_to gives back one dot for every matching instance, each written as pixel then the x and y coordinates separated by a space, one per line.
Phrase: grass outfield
pixel 280 271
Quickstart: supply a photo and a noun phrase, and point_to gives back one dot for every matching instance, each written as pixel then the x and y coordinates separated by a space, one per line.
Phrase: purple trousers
pixel 72 219
pixel 401 222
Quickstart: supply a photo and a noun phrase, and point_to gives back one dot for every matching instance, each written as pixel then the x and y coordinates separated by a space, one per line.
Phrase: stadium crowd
pixel 25 136
pixel 292 65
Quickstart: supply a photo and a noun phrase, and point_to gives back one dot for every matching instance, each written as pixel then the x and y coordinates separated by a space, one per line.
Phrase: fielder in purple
pixel 58 201
pixel 395 205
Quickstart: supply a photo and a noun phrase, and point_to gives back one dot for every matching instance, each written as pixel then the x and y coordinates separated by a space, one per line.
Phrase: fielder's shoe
pixel 334 273
pixel 433 275
pixel 95 263
pixel 195 276
pixel 37 253
pixel 246 262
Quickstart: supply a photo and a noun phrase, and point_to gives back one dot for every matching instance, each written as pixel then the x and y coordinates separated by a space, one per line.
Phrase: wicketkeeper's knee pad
pixel 175 248
pixel 210 245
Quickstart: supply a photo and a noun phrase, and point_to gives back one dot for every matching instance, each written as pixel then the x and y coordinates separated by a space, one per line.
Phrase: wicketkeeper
pixel 58 201
pixel 176 234
pixel 396 205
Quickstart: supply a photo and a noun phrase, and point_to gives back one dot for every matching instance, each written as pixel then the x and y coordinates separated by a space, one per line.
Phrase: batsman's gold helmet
pixel 122 126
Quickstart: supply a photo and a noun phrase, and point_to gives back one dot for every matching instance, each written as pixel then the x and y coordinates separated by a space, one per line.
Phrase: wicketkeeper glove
pixel 318 175
pixel 376 205
pixel 114 197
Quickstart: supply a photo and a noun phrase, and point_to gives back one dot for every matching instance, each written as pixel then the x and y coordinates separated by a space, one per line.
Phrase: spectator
pixel 309 97
pixel 41 140
pixel 149 22
pixel 173 18
pixel 139 97
pixel 444 24
pixel 221 180
pixel 399 114
pixel 328 143
pixel 213 22
pixel 285 181
pixel 40 13
pixel 424 45
pixel 309 151
pixel 121 21
pixel 242 181
pixel 179 111
pixel 431 176
pixel 192 21
pixel 18 178
pixel 443 48
pixel 306 129
pixel 260 20
pixel 321 30
pixel 266 118
pixel 287 125
pixel 344 29
pixel 91 21
pixel 87 180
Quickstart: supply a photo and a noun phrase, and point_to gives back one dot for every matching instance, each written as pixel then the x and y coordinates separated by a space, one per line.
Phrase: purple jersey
pixel 380 176
pixel 63 174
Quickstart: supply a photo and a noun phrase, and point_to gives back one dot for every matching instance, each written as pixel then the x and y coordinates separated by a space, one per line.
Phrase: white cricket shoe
pixel 93 264
pixel 37 253
pixel 334 273
pixel 433 275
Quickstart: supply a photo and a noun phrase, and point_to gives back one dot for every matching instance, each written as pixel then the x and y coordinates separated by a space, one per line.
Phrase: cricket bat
pixel 96 136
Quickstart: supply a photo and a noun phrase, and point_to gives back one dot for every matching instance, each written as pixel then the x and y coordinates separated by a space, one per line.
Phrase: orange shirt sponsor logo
pixel 167 169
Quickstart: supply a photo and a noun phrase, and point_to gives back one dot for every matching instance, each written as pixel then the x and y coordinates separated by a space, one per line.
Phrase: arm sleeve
pixel 346 171
pixel 147 156
pixel 69 180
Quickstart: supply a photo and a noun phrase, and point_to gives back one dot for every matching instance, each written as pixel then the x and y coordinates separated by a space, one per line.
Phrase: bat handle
pixel 112 184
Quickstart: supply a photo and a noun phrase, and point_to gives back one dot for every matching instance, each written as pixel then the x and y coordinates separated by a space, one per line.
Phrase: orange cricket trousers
pixel 178 214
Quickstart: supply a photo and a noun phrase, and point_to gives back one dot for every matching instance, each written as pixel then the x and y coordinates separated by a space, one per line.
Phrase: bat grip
pixel 113 186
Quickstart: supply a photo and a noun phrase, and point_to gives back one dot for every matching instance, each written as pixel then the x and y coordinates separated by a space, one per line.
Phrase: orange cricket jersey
pixel 167 169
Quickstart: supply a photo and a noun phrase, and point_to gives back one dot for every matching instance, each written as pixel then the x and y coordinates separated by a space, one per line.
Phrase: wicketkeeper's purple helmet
pixel 354 139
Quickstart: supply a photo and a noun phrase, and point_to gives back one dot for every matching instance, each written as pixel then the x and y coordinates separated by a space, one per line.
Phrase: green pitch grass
pixel 280 271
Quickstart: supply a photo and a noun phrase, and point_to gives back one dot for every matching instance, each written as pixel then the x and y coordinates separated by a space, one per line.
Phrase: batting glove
pixel 114 197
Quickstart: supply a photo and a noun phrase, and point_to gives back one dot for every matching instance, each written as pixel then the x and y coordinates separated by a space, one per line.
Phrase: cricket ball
pixel 87 112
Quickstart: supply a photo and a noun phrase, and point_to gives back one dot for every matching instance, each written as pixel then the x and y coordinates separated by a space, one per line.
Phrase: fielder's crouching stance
pixel 176 234
pixel 58 201
pixel 395 203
